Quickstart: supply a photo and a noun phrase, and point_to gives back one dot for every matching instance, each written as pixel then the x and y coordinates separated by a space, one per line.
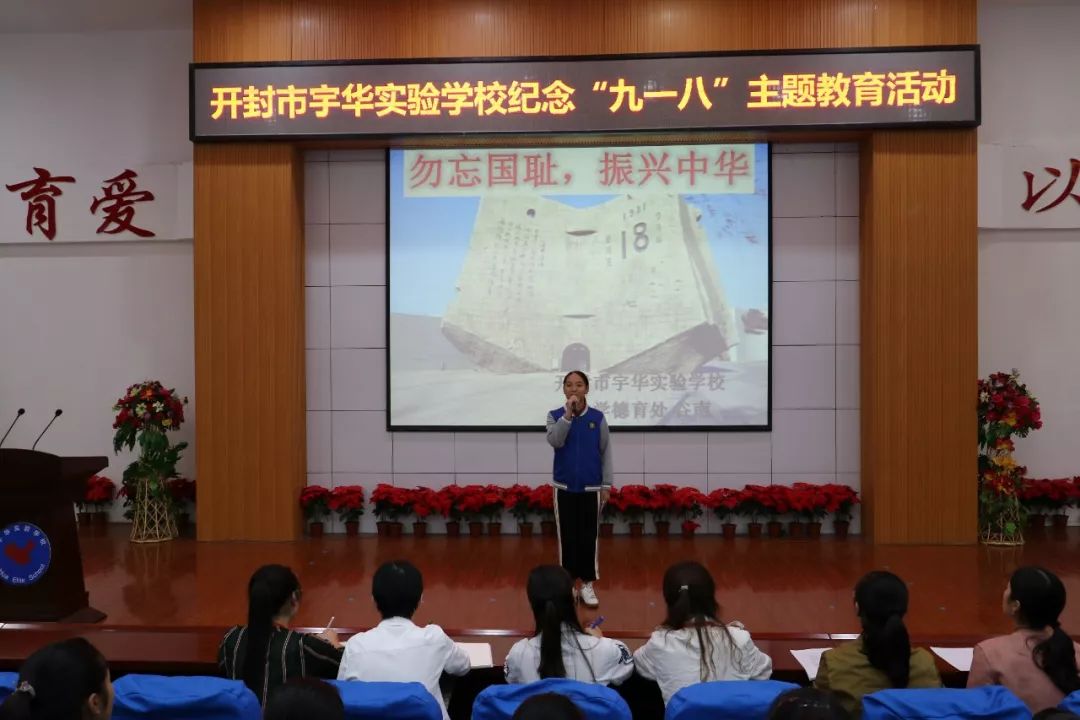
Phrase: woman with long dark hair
pixel 562 648
pixel 68 680
pixel 1037 662
pixel 882 657
pixel 693 644
pixel 265 653
pixel 582 476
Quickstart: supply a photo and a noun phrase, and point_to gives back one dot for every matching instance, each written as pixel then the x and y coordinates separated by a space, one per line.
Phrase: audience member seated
pixel 693 644
pixel 881 657
pixel 68 680
pixel 305 699
pixel 594 701
pixel 1038 661
pixel 397 650
pixel 808 704
pixel 265 653
pixel 561 647
pixel 1054 714
pixel 548 706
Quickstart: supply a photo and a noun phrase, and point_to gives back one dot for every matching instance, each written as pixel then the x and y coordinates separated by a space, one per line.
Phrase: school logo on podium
pixel 25 554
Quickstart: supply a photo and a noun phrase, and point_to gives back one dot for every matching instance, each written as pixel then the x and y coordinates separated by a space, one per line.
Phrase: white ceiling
pixel 70 16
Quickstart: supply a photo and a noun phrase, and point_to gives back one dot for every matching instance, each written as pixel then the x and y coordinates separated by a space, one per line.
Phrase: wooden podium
pixel 39 489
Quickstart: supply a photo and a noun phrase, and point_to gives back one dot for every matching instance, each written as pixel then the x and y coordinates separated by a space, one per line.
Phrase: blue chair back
pixel 728 699
pixel 8 681
pixel 1071 703
pixel 597 702
pixel 982 703
pixel 155 697
pixel 378 700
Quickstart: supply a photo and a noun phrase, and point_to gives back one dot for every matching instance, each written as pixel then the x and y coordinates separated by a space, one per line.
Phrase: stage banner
pixel 934 86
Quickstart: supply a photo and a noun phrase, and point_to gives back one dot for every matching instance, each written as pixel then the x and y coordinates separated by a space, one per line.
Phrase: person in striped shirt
pixel 265 653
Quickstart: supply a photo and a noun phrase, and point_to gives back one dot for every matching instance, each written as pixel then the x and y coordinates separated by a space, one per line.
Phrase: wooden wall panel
pixel 249 340
pixel 919 344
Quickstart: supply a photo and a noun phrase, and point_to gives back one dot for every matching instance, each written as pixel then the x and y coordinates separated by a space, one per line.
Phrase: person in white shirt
pixel 396 650
pixel 561 647
pixel 693 645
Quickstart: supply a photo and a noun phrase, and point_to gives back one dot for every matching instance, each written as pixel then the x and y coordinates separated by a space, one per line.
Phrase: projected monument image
pixel 511 267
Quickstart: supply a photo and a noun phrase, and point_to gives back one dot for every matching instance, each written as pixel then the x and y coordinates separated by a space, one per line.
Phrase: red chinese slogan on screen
pixel 707 169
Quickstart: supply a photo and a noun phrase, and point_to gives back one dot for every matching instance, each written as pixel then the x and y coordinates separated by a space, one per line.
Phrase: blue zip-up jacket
pixel 582 450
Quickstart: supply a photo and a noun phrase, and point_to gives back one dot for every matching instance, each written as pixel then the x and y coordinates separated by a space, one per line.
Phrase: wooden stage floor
pixel 777 587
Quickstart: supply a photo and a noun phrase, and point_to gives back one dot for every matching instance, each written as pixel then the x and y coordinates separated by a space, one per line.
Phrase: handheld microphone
pixel 57 414
pixel 22 411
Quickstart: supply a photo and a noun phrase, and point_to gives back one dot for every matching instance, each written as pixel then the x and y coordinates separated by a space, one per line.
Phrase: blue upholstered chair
pixel 982 703
pixel 378 700
pixel 155 697
pixel 8 681
pixel 728 699
pixel 598 702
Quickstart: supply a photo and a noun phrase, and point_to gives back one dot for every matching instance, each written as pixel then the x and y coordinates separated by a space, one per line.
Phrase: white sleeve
pixel 618 663
pixel 754 664
pixel 644 662
pixel 345 668
pixel 457 661
pixel 512 664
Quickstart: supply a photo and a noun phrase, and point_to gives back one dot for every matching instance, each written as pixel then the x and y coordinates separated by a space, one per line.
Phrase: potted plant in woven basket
pixel 518 500
pixel 315 504
pixel 145 415
pixel 724 502
pixel 348 502
pixel 390 503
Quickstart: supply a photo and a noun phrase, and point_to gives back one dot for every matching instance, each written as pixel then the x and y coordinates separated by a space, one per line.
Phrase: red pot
pixel 495 528
pixel 382 528
pixel 841 527
pixel 688 532
pixel 813 530
pixel 607 529
pixel 352 528
pixel 547 528
pixel 663 528
pixel 419 529
pixel 1060 522
pixel 394 529
pixel 796 529
pixel 476 529
pixel 754 530
pixel 637 529
pixel 315 529
pixel 100 518
pixel 775 528
pixel 453 528
pixel 525 529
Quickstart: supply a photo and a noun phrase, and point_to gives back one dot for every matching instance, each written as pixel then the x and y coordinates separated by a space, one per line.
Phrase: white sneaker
pixel 588 596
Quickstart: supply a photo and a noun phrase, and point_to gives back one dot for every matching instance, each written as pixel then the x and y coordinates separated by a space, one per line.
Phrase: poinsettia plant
pixel 423 502
pixel 775 499
pixel 518 500
pixel 1047 497
pixel 662 502
pixel 390 502
pixel 633 502
pixel 99 492
pixel 724 503
pixel 542 502
pixel 842 500
pixel 610 510
pixel 481 501
pixel 314 502
pixel 752 501
pixel 688 502
pixel 449 498
pixel 811 502
pixel 348 502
